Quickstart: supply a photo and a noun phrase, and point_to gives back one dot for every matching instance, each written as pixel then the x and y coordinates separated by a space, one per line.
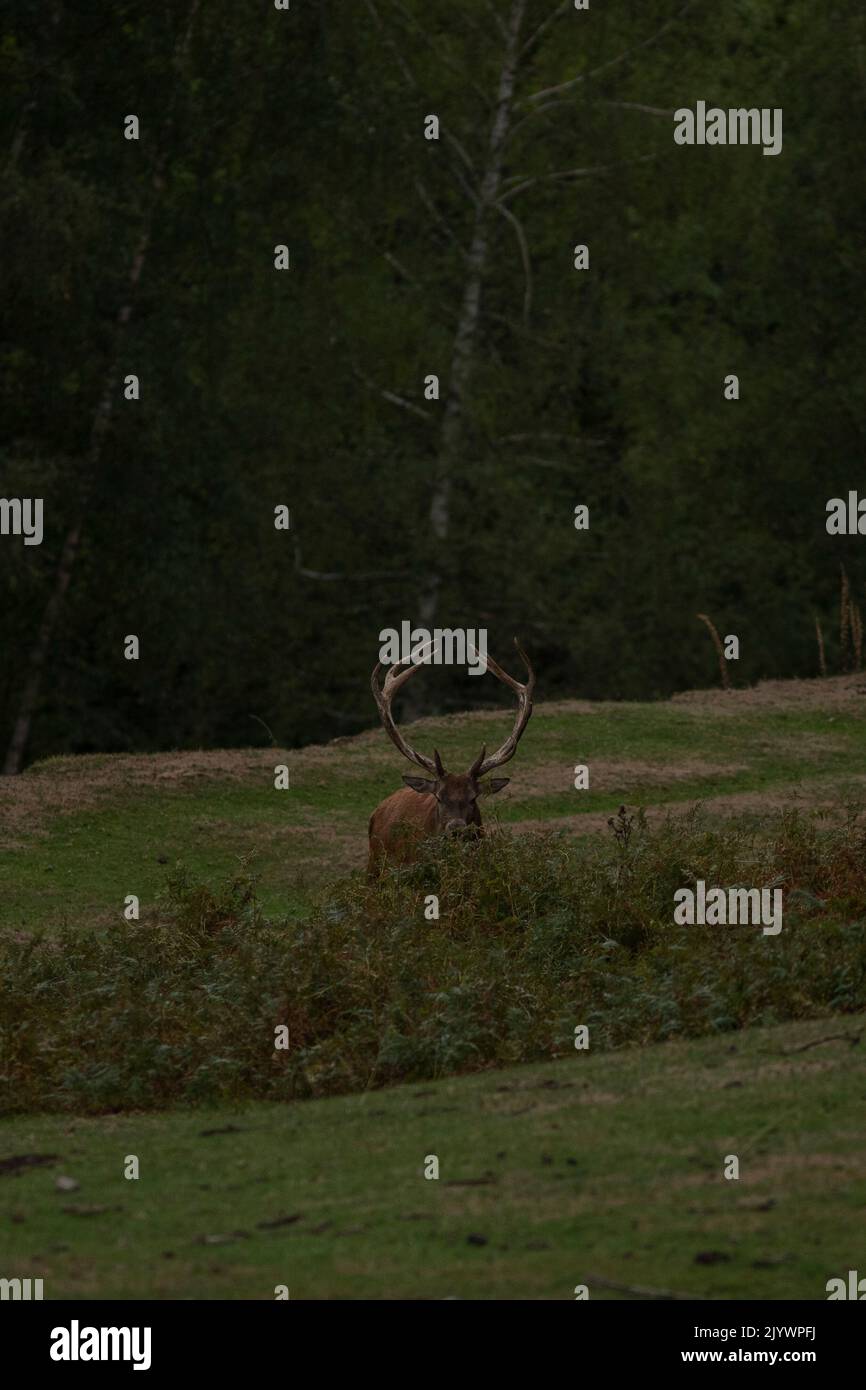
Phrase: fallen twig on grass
pixel 641 1292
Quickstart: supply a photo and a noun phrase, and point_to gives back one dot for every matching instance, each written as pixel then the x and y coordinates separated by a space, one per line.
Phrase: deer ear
pixel 419 784
pixel 492 785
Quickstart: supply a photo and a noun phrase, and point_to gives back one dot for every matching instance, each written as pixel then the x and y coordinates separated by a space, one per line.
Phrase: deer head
pixel 456 793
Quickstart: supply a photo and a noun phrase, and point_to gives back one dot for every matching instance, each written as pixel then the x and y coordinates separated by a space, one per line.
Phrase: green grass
pixel 602 1168
pixel 78 865
pixel 598 1167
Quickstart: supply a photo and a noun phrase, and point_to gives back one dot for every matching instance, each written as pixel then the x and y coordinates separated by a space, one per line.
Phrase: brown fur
pixel 406 817
pixel 415 815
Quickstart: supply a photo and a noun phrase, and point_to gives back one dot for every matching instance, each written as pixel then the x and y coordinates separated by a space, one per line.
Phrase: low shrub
pixel 536 935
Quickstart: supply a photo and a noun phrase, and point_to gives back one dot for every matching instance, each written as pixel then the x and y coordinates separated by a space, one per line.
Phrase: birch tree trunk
pixel 466 336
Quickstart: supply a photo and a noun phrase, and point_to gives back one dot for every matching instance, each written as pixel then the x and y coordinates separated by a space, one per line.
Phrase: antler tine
pixel 476 766
pixel 384 695
pixel 524 710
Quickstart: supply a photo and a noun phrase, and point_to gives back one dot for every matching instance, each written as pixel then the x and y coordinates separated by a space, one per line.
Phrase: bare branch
pixel 614 62
pixel 391 395
pixel 467 189
pixel 20 136
pixel 401 270
pixel 452 140
pixel 521 330
pixel 524 253
pixel 444 59
pixel 437 215
pixel 401 62
pixel 274 743
pixel 323 575
pixel 545 434
pixel 496 17
pixel 574 174
pixel 638 106
pixel 554 464
pixel 555 14
pixel 571 101
pixel 568 101
pixel 477 25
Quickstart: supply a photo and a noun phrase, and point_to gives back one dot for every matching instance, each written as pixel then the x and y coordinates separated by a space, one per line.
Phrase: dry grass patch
pixel 833 692
pixel 823 798
pixel 618 775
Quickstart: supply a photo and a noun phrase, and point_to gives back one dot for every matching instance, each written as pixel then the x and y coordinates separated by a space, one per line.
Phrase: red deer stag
pixel 449 803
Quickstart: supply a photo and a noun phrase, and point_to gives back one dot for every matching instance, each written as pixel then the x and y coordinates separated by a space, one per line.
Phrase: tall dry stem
pixel 717 643
pixel 844 620
pixel 822 660
pixel 857 635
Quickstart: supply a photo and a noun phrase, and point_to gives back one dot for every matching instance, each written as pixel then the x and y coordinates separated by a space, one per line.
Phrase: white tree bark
pixel 466 336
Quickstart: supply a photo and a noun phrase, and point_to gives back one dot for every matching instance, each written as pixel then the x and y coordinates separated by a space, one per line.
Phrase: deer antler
pixel 383 697
pixel 502 755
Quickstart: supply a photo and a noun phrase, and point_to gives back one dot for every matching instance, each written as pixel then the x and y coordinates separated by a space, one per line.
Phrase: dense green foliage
pixel 536 935
pixel 261 388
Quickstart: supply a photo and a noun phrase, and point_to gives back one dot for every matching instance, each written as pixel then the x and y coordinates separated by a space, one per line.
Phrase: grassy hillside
pixel 79 834
pixel 604 1169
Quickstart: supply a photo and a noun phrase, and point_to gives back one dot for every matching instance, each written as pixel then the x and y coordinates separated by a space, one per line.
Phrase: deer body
pixel 398 824
pixel 446 803
pixel 406 817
